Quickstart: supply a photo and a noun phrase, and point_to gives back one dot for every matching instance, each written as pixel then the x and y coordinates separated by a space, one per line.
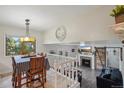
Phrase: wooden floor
pixel 5 82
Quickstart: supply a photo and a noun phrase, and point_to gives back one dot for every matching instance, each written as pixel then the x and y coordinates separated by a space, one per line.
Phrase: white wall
pixel 90 27
pixel 62 47
pixel 5 61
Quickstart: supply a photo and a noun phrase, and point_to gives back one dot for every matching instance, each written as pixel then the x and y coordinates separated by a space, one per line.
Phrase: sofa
pixel 109 78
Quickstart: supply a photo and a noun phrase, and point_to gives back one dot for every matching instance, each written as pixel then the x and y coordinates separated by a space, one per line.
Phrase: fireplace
pixel 86 61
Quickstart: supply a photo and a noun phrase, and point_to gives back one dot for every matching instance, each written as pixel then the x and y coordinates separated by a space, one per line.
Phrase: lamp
pixel 27 38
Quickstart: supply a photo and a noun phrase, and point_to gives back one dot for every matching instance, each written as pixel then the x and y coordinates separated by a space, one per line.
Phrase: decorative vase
pixel 119 19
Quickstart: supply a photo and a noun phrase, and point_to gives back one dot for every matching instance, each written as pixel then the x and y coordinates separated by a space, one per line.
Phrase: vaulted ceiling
pixel 42 17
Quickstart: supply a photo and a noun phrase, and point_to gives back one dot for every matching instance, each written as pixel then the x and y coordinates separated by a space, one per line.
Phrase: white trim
pixel 61 56
pixel 4 44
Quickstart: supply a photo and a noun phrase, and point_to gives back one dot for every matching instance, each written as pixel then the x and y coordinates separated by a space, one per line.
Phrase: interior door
pixel 113 57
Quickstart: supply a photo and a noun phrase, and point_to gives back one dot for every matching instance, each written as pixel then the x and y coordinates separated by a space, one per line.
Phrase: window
pixel 14 46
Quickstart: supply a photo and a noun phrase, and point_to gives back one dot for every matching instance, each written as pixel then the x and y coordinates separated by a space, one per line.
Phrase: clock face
pixel 61 33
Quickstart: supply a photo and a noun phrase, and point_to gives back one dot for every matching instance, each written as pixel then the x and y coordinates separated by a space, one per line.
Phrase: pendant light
pixel 27 38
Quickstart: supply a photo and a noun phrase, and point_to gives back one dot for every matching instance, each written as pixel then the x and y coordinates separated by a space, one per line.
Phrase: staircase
pixel 66 72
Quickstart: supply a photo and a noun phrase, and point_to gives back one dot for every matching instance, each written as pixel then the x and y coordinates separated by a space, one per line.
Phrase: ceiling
pixel 42 17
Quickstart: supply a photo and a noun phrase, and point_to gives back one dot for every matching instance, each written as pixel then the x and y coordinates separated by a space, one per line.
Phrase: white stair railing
pixel 65 69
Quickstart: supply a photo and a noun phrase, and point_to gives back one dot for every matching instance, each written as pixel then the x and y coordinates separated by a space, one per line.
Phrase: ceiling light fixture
pixel 27 38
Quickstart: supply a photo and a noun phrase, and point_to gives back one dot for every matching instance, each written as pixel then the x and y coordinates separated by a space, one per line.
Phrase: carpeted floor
pixel 88 79
pixel 87 83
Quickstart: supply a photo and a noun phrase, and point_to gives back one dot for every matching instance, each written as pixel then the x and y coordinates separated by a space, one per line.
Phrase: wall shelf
pixel 118 30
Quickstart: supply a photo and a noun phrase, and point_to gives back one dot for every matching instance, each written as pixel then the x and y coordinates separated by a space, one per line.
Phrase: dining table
pixel 22 66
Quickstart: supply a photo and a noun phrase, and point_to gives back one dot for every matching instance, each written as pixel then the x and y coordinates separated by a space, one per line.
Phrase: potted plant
pixel 118 13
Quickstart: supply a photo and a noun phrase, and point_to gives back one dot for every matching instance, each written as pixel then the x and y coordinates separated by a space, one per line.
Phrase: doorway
pixel 108 57
pixel 114 57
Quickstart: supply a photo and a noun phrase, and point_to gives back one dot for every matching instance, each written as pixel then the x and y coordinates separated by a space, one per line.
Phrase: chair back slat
pixel 36 64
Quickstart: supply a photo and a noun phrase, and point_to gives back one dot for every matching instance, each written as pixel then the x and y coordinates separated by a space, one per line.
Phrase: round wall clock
pixel 61 33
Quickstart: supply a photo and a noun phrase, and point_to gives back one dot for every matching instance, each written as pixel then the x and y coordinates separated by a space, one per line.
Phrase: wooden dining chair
pixel 18 75
pixel 14 80
pixel 36 71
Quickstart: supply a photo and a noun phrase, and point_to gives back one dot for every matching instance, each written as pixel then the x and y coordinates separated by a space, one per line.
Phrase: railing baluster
pixel 67 67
